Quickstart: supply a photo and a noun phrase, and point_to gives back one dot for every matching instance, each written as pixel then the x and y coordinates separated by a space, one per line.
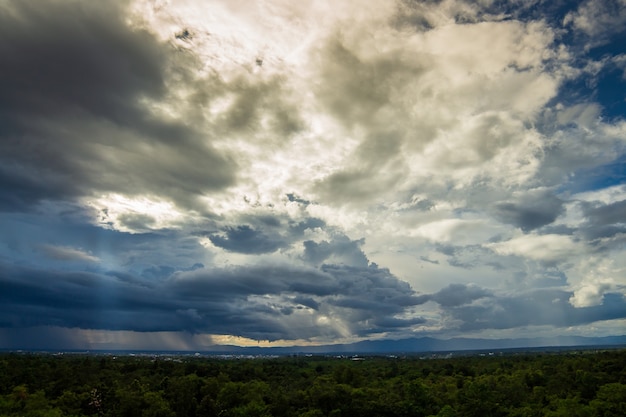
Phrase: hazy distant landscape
pixel 403 346
pixel 417 345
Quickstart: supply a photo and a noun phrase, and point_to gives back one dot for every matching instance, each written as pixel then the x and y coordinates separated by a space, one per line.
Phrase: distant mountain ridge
pixel 375 347
pixel 426 344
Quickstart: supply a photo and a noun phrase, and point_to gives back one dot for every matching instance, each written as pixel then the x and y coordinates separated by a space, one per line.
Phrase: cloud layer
pixel 216 169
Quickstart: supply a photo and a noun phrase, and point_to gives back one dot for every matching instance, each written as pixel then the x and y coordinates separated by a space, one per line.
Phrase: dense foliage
pixel 567 384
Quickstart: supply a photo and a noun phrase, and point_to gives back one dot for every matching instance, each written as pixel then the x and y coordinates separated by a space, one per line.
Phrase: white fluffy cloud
pixel 598 18
pixel 547 248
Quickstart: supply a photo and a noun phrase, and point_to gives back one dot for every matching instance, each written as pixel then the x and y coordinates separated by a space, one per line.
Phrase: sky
pixel 179 174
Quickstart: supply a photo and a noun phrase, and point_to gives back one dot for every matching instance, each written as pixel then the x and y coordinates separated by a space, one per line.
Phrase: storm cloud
pixel 75 90
pixel 247 302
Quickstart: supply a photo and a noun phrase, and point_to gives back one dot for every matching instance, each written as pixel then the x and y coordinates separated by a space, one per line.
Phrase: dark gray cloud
pixel 153 282
pixel 306 301
pixel 430 261
pixel 539 307
pixel 467 257
pixel 244 239
pixel 33 297
pixel 532 210
pixel 28 235
pixel 137 221
pixel 340 248
pixel 603 221
pixel 75 78
pixel 374 284
pixel 386 323
pixel 607 214
pixel 247 301
pixel 294 198
pixel 459 294
pixel 266 235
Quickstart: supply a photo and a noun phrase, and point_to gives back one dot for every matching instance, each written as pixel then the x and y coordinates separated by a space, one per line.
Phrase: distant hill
pixel 427 344
pixel 383 347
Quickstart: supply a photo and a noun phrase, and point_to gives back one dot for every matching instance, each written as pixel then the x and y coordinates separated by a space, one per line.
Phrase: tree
pixel 610 401
pixel 156 406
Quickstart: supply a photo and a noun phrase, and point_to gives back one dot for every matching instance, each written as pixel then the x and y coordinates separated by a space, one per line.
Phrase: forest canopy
pixel 572 384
